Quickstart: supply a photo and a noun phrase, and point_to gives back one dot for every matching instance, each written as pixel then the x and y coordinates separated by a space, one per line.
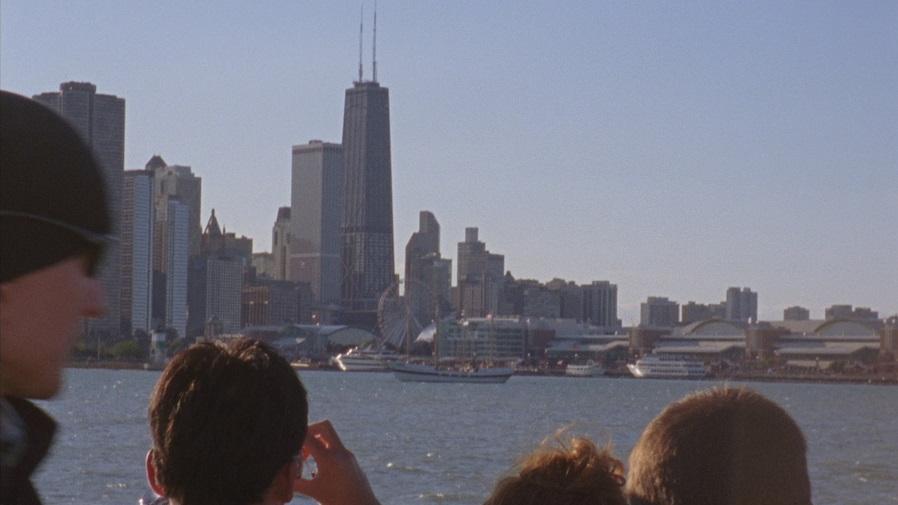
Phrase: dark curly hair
pixel 225 417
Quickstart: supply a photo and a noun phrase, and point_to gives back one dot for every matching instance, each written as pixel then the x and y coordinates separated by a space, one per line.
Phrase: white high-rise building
pixel 177 255
pixel 137 250
pixel 315 217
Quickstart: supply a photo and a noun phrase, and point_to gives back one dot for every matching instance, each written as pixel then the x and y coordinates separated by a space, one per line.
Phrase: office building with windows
pixel 100 119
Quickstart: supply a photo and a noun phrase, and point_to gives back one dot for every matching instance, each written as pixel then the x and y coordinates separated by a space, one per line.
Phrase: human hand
pixel 339 479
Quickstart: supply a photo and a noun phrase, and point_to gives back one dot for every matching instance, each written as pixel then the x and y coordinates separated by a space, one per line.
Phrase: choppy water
pixel 448 443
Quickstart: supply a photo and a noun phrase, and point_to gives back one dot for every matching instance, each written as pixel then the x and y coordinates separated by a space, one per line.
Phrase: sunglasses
pixel 97 242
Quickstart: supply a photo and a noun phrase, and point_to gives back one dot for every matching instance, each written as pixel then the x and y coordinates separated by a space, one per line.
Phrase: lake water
pixel 448 443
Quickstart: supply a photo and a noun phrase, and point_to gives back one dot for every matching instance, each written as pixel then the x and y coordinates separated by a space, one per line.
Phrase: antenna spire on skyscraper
pixel 361 21
pixel 374 47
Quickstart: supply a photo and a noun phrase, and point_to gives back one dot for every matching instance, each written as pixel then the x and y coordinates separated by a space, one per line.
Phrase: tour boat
pixel 589 369
pixel 365 360
pixel 655 365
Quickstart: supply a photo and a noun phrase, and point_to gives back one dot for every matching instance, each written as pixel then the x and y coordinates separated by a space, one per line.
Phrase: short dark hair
pixel 572 473
pixel 721 446
pixel 225 418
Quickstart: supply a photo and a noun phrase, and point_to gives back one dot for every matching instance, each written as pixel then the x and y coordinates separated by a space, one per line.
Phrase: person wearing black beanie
pixel 54 222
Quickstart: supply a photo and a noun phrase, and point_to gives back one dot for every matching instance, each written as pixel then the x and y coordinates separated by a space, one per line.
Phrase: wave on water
pixel 407 469
pixel 441 497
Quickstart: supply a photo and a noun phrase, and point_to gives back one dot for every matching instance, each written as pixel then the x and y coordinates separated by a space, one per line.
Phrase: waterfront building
pixel 796 313
pixel 482 339
pixel 367 226
pixel 100 119
pixel 136 245
pixel 177 241
pixel 807 344
pixel 742 305
pixel 480 277
pixel 600 304
pixel 659 312
pixel 280 243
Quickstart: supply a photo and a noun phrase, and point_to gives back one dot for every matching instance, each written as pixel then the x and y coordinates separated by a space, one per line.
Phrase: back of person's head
pixel 225 419
pixel 573 473
pixel 721 446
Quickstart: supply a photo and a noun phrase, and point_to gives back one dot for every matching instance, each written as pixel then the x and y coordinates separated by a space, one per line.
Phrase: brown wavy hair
pixel 224 419
pixel 559 472
pixel 721 446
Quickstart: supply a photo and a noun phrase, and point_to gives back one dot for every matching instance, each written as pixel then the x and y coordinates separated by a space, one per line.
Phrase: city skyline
pixel 672 150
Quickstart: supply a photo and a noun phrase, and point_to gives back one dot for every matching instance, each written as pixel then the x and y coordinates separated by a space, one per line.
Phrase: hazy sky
pixel 674 148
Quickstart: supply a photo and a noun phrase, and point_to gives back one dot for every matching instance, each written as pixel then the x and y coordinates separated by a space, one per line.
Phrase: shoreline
pixel 739 377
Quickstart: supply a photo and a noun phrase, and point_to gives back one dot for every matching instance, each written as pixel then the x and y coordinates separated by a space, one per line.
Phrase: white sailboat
pixel 414 372
pixel 419 372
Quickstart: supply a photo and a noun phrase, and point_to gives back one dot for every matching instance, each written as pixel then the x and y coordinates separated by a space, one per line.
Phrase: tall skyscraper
pixel 367 229
pixel 224 289
pixel 796 313
pixel 176 181
pixel 316 215
pixel 480 277
pixel 137 250
pixel 177 248
pixel 280 242
pixel 600 304
pixel 427 275
pixel 216 280
pixel 100 119
pixel 742 305
pixel 659 312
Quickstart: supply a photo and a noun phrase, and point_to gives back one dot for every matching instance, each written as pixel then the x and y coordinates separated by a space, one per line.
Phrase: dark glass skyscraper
pixel 367 227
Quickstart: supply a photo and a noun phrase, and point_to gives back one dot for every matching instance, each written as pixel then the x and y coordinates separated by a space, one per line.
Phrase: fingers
pixel 308 487
pixel 324 432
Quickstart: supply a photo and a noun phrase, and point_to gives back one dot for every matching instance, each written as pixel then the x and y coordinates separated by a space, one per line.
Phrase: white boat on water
pixel 655 365
pixel 411 372
pixel 365 360
pixel 589 369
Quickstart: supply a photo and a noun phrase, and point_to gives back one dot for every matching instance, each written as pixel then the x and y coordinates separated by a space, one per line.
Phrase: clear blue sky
pixel 673 148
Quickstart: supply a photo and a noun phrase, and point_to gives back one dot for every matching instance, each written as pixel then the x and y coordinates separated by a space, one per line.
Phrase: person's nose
pixel 94 299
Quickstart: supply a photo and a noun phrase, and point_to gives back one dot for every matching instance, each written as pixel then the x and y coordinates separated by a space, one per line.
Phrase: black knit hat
pixel 52 196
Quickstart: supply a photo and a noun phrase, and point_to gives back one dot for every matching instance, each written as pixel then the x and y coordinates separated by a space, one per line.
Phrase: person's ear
pixel 152 479
pixel 281 489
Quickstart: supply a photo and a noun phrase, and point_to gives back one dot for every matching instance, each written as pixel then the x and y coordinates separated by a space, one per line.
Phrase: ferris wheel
pixel 400 318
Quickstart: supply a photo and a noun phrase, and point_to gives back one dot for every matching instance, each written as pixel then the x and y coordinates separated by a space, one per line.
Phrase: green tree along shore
pixel 133 349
